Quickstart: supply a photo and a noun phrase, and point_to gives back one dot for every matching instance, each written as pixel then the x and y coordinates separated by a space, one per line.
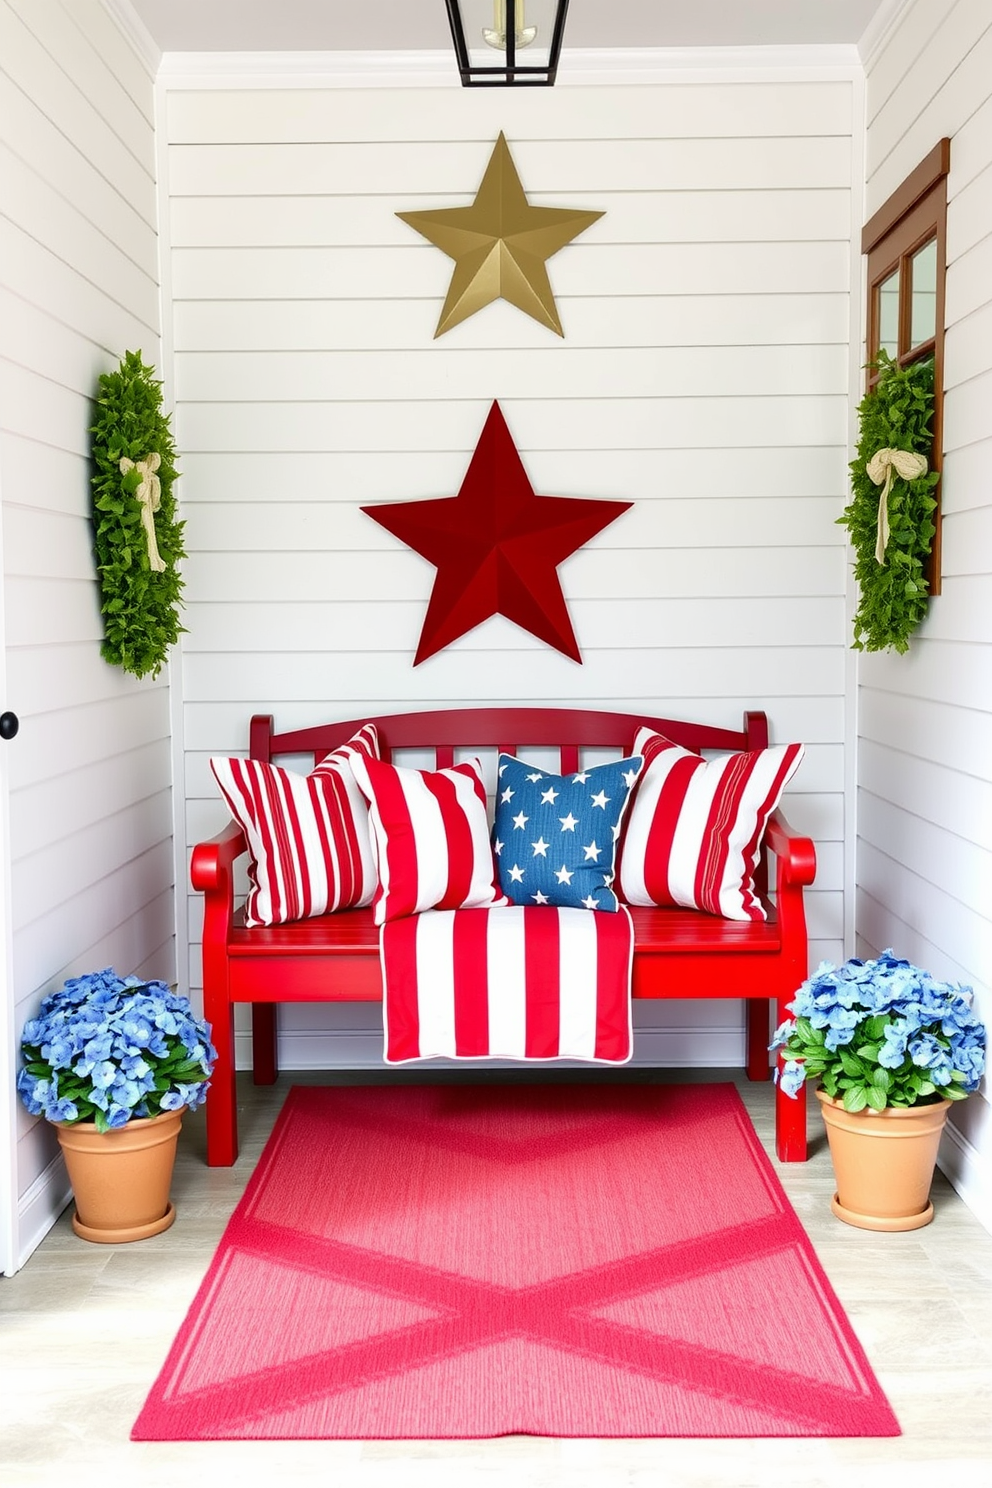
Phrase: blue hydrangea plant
pixel 882 1033
pixel 105 1048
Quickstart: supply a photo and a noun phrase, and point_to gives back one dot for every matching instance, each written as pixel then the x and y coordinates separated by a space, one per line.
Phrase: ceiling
pixel 402 25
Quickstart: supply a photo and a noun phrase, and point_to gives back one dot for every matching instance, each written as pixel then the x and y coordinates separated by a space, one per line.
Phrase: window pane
pixel 923 279
pixel 888 315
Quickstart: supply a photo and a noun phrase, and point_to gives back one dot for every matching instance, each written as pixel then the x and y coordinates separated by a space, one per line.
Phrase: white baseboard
pixel 969 1172
pixel 40 1207
pixel 361 1048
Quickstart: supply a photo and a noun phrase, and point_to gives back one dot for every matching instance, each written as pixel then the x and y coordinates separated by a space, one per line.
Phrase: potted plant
pixel 890 1048
pixel 113 1062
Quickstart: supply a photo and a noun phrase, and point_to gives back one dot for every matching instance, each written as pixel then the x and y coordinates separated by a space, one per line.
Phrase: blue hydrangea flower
pixel 930 1032
pixel 106 1038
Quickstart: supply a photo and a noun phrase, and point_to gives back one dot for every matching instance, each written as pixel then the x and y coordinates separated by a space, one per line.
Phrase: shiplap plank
pixel 952 672
pixel 634 217
pixel 963 803
pixel 599 321
pixel 308 528
pixel 44 476
pixel 789 108
pixel 417 270
pixel 34 339
pixel 639 372
pixel 966 542
pixel 963 869
pixel 963 611
pixel 956 738
pixel 968 343
pixel 50 221
pixel 879 927
pixel 42 78
pixel 966 407
pixel 73 614
pixel 969 215
pixel 903 46
pixel 65 33
pixel 449 173
pixel 923 899
pixel 41 410
pixel 60 678
pixel 101 31
pixel 116 812
pixel 654 573
pixel 386 624
pixel 643 423
pixel 968 281
pixel 45 545
pixel 241 477
pixel 964 485
pixel 971 141
pixel 934 95
pixel 765 672
pixel 57 159
pixel 45 280
pixel 93 915
pixel 64 741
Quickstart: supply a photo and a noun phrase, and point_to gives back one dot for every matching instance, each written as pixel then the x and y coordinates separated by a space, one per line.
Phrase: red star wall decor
pixel 496 546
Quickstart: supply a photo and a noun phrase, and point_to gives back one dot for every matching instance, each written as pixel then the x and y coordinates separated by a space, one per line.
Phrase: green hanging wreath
pixel 137 539
pixel 890 518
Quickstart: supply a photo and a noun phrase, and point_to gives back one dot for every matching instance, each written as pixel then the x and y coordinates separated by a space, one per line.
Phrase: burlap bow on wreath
pixel 149 493
pixel 884 465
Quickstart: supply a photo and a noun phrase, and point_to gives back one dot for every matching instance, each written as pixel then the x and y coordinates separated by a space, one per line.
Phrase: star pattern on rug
pixel 500 245
pixel 496 546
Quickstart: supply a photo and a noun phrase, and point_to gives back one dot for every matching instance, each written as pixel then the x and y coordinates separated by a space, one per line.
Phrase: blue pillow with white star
pixel 555 836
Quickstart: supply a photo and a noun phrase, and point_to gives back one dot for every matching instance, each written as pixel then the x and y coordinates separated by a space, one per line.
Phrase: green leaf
pixel 856 1098
pixel 876 1098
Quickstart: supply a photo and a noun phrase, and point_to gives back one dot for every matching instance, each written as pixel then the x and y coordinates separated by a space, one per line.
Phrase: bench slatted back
pixel 509 730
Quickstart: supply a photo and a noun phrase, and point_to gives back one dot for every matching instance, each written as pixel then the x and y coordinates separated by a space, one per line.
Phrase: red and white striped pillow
pixel 694 827
pixel 430 831
pixel 309 844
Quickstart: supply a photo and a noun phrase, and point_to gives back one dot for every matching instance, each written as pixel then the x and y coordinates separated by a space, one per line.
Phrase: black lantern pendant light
pixel 504 43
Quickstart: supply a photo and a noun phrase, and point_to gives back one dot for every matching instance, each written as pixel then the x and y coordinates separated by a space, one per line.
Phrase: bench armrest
pixel 796 856
pixel 210 868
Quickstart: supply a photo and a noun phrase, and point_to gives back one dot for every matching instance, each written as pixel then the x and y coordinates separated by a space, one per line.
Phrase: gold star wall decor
pixel 500 245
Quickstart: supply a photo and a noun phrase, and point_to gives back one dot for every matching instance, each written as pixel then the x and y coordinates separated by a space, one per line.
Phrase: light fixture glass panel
pixel 485 23
pixel 923 289
pixel 888 315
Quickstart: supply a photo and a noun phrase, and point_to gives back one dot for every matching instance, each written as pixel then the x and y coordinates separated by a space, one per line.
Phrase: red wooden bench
pixel 679 953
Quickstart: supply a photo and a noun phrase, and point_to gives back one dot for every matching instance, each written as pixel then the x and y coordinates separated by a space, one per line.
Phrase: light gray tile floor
pixel 85 1328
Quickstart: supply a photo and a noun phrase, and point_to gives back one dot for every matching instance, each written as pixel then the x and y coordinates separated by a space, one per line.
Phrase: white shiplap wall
pixel 925 758
pixel 89 774
pixel 704 376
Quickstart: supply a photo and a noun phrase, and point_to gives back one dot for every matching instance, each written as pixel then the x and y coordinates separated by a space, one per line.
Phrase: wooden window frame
pixel 914 215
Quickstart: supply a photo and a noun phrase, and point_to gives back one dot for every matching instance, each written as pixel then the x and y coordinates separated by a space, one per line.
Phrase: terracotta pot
pixel 883 1162
pixel 121 1178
